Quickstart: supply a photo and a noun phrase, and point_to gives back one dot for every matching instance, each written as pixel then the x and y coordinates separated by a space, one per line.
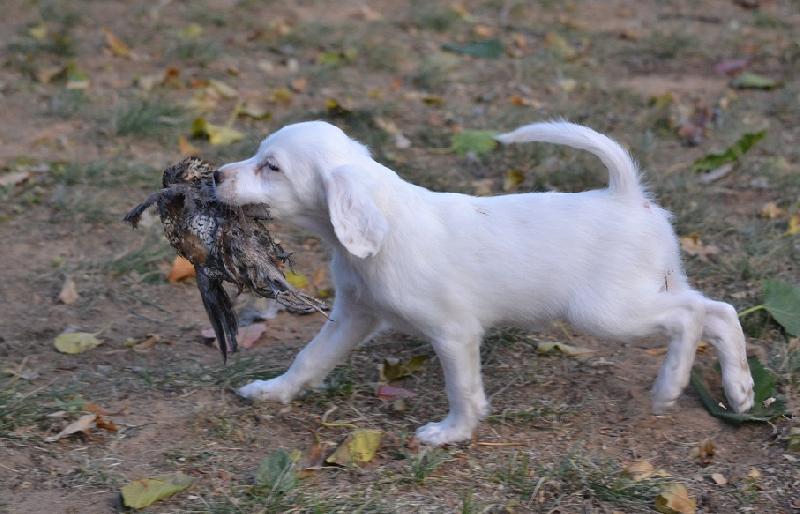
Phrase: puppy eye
pixel 269 165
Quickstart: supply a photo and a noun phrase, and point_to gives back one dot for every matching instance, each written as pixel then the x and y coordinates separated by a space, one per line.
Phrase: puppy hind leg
pixel 723 330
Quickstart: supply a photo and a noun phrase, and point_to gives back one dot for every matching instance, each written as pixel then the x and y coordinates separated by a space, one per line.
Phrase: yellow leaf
pixel 146 491
pixel 181 270
pixel 512 180
pixel 48 73
pixel 76 342
pixel 216 134
pixel 116 45
pixel 256 112
pixel 186 148
pixel 297 280
pixel 191 31
pixel 359 447
pixel 282 96
pixel 675 500
pixel 224 90
pixel 38 32
pixel 547 347
pixel 392 368
pixel 794 225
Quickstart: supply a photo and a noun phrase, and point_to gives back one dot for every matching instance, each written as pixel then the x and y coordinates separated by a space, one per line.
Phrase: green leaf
pixel 732 154
pixel 782 301
pixel 276 472
pixel 359 447
pixel 485 49
pixel 76 342
pixel 754 81
pixel 475 141
pixel 146 491
pixel 764 389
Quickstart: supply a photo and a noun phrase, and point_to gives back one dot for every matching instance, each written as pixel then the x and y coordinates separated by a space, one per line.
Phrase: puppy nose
pixel 218 177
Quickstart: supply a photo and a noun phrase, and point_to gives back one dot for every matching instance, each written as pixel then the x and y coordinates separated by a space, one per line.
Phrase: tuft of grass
pixel 142 259
pixel 426 462
pixel 67 103
pixel 143 117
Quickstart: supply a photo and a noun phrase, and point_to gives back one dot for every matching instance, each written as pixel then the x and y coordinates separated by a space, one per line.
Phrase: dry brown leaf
pixel 719 478
pixel 675 500
pixel 392 393
pixel 299 85
pixel 249 335
pixel 771 211
pixel 639 470
pixel 116 45
pixel 83 424
pixel 694 246
pixel 181 270
pixel 704 452
pixel 68 294
pixel 106 424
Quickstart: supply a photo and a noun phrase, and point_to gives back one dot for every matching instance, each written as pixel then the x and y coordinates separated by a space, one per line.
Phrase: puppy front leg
pixel 347 326
pixel 460 360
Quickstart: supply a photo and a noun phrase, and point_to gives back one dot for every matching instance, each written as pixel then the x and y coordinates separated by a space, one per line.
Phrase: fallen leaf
pixel 484 49
pixel 393 369
pixel 731 66
pixel 770 210
pixel 764 388
pixel 704 452
pixel 76 342
pixel 391 393
pixel 754 81
pixel 474 141
pixel 38 32
pixel 794 225
pixel 276 472
pixel 299 84
pixel 731 154
pixel 46 74
pixel 146 491
pixel 68 294
pixel 782 301
pixel 76 78
pixel 191 31
pixel 719 478
pixel 297 280
pixel 181 270
pixel 83 424
pixel 106 424
pixel 513 179
pixel 639 470
pixel 550 348
pixel 694 246
pixel 248 336
pixel 253 111
pixel 560 46
pixel 754 474
pixel 282 96
pixel 568 85
pixel 216 134
pixel 186 148
pixel 116 45
pixel 359 447
pixel 14 178
pixel 223 89
pixel 145 344
pixel 674 499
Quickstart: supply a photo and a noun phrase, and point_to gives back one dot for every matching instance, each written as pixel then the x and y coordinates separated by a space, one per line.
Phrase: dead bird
pixel 224 244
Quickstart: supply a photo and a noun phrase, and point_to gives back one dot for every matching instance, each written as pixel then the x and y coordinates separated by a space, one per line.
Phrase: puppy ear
pixel 358 223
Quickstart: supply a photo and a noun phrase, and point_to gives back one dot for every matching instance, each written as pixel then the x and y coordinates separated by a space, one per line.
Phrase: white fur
pixel 449 266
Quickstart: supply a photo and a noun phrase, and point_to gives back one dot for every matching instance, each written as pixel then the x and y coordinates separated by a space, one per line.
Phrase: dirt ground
pixel 95 96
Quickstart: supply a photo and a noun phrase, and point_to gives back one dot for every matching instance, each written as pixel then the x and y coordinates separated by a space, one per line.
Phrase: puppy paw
pixel 274 389
pixel 444 432
pixel 739 392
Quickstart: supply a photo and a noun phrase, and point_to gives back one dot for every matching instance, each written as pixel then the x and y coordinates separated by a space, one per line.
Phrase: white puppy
pixel 449 266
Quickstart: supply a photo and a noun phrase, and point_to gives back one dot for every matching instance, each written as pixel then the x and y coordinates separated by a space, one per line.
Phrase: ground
pixel 562 429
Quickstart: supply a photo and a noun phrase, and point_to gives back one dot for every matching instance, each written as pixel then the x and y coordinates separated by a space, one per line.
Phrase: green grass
pixel 145 117
pixel 426 462
pixel 143 259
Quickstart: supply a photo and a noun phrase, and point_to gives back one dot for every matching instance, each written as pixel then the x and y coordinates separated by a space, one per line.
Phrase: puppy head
pixel 309 173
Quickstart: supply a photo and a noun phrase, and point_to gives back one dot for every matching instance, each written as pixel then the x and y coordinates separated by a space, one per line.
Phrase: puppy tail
pixel 622 170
